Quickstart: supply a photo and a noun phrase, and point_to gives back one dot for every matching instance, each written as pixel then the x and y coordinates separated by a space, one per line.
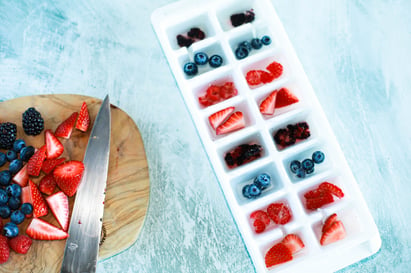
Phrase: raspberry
pixel 253 77
pixel 8 134
pixel 279 213
pixel 276 69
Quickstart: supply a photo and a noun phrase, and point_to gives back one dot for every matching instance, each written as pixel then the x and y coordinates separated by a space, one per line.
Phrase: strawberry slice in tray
pixel 233 123
pixel 219 117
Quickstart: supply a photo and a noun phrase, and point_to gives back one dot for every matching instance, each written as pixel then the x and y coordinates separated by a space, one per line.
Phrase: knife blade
pixel 82 245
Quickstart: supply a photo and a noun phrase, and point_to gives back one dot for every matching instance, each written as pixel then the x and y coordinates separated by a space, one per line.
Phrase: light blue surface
pixel 356 54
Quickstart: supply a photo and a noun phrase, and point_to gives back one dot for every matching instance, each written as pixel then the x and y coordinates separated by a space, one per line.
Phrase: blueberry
pixel 318 157
pixel 307 164
pixel 246 191
pixel 11 155
pixel 4 197
pixel 200 58
pixel 15 166
pixel 215 61
pixel 26 153
pixel 27 208
pixel 5 177
pixel 18 145
pixel 262 181
pixel 3 159
pixel 266 40
pixel 256 43
pixel 241 52
pixel 14 202
pixel 247 45
pixel 300 173
pixel 254 191
pixel 295 165
pixel 10 230
pixel 4 211
pixel 190 69
pixel 14 190
pixel 17 217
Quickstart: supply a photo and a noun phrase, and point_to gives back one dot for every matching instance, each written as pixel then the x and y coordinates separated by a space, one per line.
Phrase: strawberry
pixel 83 120
pixel 277 254
pixel 41 230
pixel 4 250
pixel 65 129
pixel 260 215
pixel 39 204
pixel 22 177
pixel 59 206
pixel 279 213
pixel 276 69
pixel 253 77
pixel 68 176
pixel 329 221
pixel 267 106
pixel 54 146
pixel 315 193
pixel 47 184
pixel 218 117
pixel 318 202
pixel 285 98
pixel 26 195
pixel 50 164
pixel 36 161
pixel 259 226
pixel 234 122
pixel 1 224
pixel 334 233
pixel 20 244
pixel 331 188
pixel 293 242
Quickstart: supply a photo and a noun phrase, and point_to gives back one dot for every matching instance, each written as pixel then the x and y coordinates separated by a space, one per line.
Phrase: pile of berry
pixel 217 93
pixel 322 195
pixel 244 48
pixel 279 213
pixel 226 121
pixel 301 169
pixel 238 19
pixel 260 183
pixel 283 251
pixel 243 154
pixel 201 58
pixel 257 77
pixel 288 136
pixel 193 35
pixel 277 99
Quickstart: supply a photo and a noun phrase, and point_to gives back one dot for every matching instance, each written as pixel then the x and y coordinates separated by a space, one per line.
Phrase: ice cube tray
pixel 222 38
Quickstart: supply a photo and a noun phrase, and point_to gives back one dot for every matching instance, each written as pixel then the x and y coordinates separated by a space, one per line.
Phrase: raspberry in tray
pixel 243 154
pixel 217 93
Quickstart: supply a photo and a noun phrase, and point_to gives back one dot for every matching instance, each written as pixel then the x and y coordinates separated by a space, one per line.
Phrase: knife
pixel 82 245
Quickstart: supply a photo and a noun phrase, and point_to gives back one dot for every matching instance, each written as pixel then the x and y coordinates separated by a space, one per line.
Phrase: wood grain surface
pixel 128 187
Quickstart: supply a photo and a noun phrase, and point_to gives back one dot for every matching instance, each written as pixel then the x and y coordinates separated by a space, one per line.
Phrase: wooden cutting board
pixel 128 186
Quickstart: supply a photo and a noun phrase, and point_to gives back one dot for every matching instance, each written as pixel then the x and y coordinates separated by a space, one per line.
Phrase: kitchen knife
pixel 82 245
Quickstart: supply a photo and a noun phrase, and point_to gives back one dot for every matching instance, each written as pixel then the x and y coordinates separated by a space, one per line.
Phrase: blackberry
pixel 33 123
pixel 8 134
pixel 284 138
pixel 237 19
pixel 183 41
pixel 299 130
pixel 249 16
pixel 196 32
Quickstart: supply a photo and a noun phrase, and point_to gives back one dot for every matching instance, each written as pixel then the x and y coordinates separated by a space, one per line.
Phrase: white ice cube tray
pixel 213 17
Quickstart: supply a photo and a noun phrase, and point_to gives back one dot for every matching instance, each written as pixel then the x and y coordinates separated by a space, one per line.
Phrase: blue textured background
pixel 355 52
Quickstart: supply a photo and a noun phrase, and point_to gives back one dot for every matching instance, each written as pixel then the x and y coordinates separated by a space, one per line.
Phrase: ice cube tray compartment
pixel 213 18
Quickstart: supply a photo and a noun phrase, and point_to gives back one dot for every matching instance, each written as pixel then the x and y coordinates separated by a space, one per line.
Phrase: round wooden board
pixel 127 192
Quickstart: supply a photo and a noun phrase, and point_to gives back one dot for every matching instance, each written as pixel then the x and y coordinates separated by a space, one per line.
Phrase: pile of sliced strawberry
pixel 322 195
pixel 279 213
pixel 226 121
pixel 283 251
pixel 277 99
pixel 218 93
pixel 257 77
pixel 333 230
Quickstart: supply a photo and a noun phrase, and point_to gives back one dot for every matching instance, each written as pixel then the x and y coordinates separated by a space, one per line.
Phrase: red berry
pixel 267 106
pixel 39 204
pixel 279 213
pixel 318 202
pixel 285 98
pixel 276 69
pixel 293 242
pixel 331 188
pixel 253 77
pixel 334 233
pixel 83 120
pixel 259 226
pixel 234 122
pixel 20 244
pixel 260 215
pixel 65 129
pixel 266 77
pixel 4 250
pixel 36 161
pixel 213 93
pixel 54 146
pixel 277 254
pixel 219 117
pixel 68 176
pixel 47 184
pixel 329 221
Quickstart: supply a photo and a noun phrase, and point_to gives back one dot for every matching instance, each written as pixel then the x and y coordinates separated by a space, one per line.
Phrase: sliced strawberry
pixel 285 98
pixel 26 195
pixel 219 117
pixel 279 213
pixel 68 176
pixel 83 120
pixel 54 146
pixel 334 233
pixel 318 202
pixel 277 254
pixel 331 188
pixel 253 77
pixel 47 184
pixel 36 161
pixel 234 122
pixel 4 249
pixel 65 129
pixel 39 204
pixel 293 242
pixel 276 69
pixel 50 164
pixel 22 177
pixel 59 206
pixel 260 215
pixel 267 106
pixel 315 193
pixel 41 230
pixel 20 244
pixel 329 221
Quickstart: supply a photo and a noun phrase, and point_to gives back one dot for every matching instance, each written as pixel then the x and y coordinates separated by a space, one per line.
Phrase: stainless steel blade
pixel 81 252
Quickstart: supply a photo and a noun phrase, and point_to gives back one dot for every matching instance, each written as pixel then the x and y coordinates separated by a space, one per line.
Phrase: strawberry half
pixel 318 202
pixel 50 164
pixel 334 233
pixel 329 221
pixel 54 146
pixel 39 204
pixel 20 244
pixel 22 177
pixel 65 129
pixel 68 176
pixel 279 213
pixel 47 184
pixel 267 106
pixel 234 122
pixel 277 254
pixel 83 120
pixel 218 117
pixel 41 230
pixel 4 249
pixel 26 195
pixel 59 205
pixel 285 98
pixel 276 69
pixel 293 242
pixel 36 161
